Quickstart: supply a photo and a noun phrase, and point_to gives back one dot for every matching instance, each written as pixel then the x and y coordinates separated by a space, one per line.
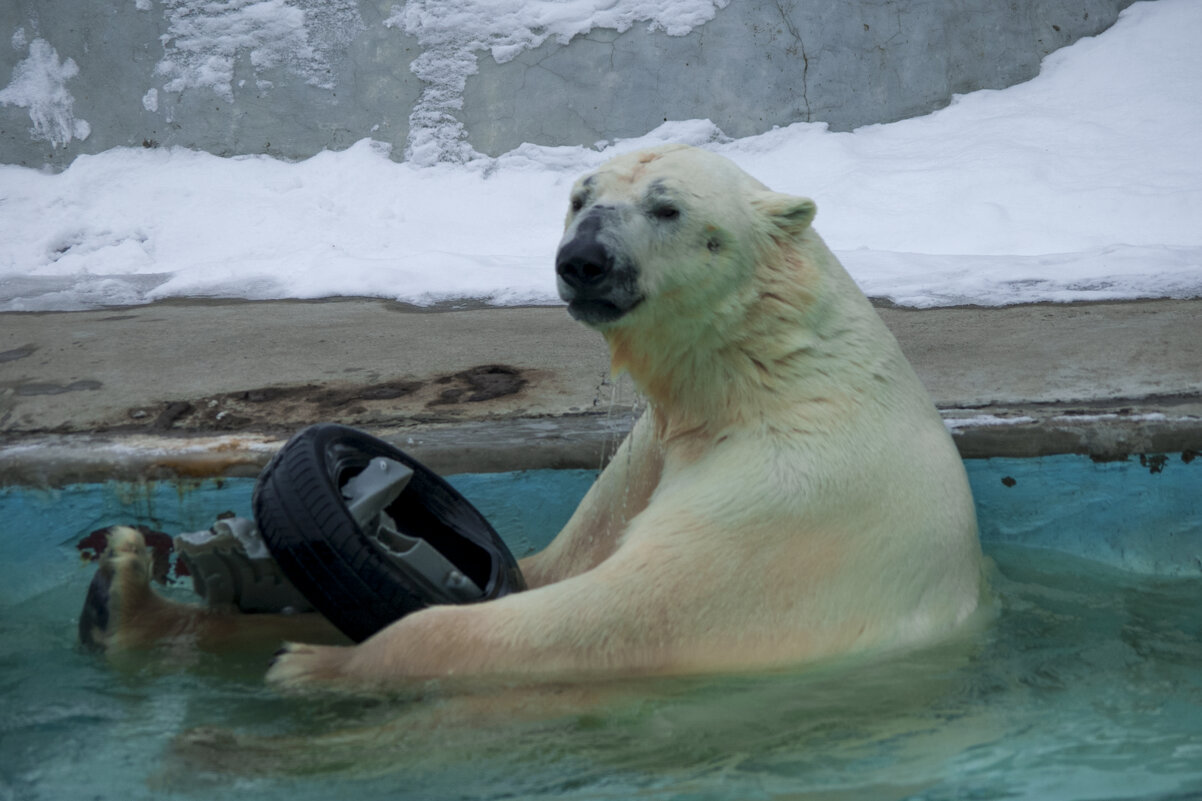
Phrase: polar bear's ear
pixel 792 214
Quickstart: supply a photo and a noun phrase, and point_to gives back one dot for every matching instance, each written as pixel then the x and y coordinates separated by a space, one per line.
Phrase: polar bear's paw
pixel 121 584
pixel 300 666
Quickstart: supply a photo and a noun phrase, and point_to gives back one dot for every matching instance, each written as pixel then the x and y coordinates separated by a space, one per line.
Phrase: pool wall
pixel 1142 513
pixel 1079 423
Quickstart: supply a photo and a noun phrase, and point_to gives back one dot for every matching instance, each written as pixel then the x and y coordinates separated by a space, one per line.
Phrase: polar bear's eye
pixel 665 212
pixel 577 203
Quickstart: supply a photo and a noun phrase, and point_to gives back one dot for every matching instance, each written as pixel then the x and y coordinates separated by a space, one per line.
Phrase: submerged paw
pixel 297 665
pixel 123 575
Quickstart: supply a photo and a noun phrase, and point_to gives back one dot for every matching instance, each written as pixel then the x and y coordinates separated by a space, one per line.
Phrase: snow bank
pixel 1084 183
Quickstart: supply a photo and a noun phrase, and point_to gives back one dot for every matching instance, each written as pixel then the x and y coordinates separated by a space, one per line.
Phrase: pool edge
pixel 1104 433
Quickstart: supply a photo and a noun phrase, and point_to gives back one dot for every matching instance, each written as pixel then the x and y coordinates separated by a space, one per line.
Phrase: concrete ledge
pixel 570 442
pixel 188 390
pixel 474 447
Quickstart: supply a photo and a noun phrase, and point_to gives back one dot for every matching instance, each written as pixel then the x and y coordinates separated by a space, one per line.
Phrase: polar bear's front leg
pixel 439 642
pixel 620 493
pixel 121 611
pixel 641 612
pixel 605 620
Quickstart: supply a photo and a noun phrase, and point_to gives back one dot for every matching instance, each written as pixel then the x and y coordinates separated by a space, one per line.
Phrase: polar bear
pixel 791 493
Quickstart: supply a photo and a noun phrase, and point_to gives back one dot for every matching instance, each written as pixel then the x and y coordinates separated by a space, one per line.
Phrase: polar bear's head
pixel 673 226
pixel 700 276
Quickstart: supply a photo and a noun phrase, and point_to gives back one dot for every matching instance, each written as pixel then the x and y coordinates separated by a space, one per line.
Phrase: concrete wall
pixel 291 77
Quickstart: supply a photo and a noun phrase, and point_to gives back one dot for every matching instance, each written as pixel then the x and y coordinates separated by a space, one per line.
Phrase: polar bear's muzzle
pixel 599 284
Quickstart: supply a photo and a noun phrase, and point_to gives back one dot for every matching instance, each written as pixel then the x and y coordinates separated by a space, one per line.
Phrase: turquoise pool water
pixel 1088 685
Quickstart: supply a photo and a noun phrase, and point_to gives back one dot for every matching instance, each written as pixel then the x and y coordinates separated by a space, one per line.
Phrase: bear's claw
pixel 297 665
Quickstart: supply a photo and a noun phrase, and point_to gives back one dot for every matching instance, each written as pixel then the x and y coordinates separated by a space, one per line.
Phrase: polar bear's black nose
pixel 583 262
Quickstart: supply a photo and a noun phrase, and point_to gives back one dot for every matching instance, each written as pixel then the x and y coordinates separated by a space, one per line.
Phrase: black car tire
pixel 346 575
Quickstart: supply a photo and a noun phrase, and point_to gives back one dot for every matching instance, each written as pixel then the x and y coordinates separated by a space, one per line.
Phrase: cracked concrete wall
pixel 291 77
pixel 163 72
pixel 762 63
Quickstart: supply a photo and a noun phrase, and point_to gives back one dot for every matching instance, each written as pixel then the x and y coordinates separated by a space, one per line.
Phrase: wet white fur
pixel 791 494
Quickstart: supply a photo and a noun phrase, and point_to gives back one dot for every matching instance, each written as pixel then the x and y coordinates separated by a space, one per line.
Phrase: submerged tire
pixel 346 574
